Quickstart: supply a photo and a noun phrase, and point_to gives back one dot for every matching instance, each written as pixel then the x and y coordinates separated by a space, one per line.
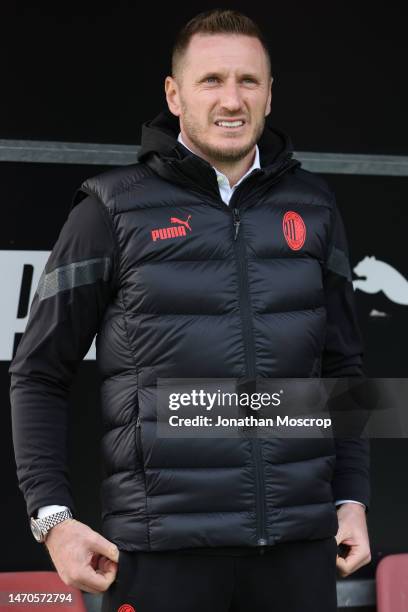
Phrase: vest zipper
pixel 260 488
pixel 245 310
pixel 237 221
pixel 240 255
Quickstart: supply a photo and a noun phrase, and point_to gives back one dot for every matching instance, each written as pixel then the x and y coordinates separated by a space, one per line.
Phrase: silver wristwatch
pixel 41 526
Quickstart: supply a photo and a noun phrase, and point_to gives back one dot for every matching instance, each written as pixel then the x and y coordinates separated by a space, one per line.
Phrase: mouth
pixel 231 125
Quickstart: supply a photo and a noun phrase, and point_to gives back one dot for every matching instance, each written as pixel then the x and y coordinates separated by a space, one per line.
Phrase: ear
pixel 171 88
pixel 269 101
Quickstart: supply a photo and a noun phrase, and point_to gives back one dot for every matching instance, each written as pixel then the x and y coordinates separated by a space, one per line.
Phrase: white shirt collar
pixel 222 179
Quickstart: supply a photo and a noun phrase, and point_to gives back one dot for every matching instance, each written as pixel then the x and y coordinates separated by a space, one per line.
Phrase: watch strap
pixel 48 522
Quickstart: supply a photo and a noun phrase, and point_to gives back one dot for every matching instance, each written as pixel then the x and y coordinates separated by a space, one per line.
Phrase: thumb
pixel 106 548
pixel 106 566
pixel 341 536
pixel 342 564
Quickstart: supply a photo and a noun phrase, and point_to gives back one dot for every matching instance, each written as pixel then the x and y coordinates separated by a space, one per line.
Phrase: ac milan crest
pixel 294 230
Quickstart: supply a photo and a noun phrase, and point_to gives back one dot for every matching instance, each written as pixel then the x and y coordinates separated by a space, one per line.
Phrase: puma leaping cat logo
pixel 380 276
pixel 177 220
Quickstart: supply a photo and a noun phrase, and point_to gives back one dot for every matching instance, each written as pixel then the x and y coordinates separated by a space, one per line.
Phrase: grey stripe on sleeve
pixel 73 275
pixel 339 263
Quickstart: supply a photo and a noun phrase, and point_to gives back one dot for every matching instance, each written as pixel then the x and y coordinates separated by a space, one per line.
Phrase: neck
pixel 236 170
pixel 233 170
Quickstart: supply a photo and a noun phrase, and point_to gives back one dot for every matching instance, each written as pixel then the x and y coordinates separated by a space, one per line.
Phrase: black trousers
pixel 289 577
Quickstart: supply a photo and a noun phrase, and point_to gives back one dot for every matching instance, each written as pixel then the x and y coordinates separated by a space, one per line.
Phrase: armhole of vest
pixel 106 215
pixel 79 195
pixel 331 233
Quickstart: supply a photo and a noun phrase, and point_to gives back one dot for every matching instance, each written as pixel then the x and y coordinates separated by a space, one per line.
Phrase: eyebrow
pixel 219 74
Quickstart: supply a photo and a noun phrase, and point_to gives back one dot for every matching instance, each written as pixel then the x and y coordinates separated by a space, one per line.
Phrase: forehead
pixel 225 52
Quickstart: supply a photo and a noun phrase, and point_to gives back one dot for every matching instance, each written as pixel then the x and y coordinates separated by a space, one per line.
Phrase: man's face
pixel 222 77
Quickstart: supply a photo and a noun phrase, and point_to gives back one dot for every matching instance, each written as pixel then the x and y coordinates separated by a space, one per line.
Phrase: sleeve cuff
pixel 348 501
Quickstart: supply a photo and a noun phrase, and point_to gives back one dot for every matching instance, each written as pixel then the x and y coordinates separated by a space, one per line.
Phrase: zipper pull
pixel 138 421
pixel 262 542
pixel 237 221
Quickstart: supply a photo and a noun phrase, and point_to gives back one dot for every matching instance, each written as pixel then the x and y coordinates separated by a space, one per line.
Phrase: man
pixel 215 256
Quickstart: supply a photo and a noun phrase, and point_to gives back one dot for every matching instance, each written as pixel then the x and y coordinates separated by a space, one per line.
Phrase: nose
pixel 231 96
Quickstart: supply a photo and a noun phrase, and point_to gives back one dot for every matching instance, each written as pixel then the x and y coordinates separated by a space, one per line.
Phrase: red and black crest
pixel 294 230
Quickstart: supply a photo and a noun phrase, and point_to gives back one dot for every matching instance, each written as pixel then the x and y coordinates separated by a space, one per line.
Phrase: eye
pixel 214 78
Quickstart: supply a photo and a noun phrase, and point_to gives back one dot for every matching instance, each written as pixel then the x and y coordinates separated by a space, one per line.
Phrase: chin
pixel 231 147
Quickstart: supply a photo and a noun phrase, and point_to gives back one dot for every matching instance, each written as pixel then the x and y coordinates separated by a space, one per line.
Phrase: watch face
pixel 37 533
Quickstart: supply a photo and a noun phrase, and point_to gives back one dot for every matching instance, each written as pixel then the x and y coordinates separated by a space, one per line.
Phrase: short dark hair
pixel 216 21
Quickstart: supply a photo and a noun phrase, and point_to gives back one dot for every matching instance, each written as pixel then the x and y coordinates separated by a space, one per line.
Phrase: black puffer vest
pixel 213 291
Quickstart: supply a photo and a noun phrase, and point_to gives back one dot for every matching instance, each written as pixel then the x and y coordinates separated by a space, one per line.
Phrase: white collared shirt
pixel 226 190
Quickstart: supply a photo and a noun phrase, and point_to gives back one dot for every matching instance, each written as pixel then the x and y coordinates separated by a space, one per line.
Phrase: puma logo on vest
pixel 177 220
pixel 380 276
pixel 174 231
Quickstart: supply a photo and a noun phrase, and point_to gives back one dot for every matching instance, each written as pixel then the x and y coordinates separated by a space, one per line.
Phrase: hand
pixel 352 532
pixel 82 557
